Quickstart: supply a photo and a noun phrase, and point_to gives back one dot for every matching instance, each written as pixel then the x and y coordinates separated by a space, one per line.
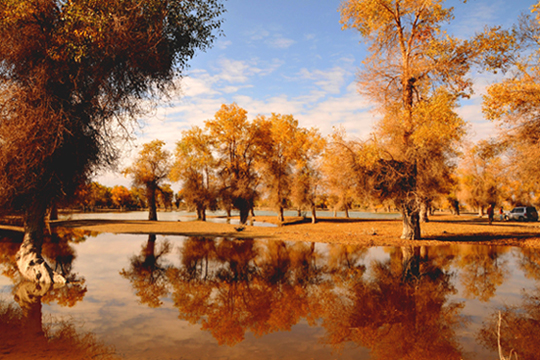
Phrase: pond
pixel 174 297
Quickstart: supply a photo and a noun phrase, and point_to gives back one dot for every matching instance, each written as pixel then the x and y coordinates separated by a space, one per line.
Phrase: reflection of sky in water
pixel 115 315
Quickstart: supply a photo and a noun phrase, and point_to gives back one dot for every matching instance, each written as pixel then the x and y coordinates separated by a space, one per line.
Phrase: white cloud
pixel 280 42
pixel 223 44
pixel 331 81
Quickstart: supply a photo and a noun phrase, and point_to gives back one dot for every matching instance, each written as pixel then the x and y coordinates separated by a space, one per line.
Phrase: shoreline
pixel 442 229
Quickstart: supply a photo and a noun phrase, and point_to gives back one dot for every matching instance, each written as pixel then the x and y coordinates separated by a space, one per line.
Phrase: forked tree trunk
pixel 411 225
pixel 31 264
pixel 201 214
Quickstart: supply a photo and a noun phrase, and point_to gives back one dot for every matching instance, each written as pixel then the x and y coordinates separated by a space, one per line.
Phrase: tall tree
pixel 195 166
pixel 279 154
pixel 411 59
pixel 340 176
pixel 71 74
pixel 307 177
pixel 237 142
pixel 151 167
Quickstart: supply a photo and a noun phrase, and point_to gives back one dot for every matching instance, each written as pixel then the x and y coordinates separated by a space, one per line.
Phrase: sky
pixel 292 57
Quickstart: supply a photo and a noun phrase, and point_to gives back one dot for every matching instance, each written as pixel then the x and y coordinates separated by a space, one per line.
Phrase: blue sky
pixel 291 57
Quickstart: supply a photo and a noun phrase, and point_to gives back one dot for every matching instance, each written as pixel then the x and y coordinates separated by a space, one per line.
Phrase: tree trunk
pixel 150 251
pixel 347 212
pixel 281 216
pixel 53 214
pixel 28 296
pixel 313 215
pixel 456 207
pixel 152 206
pixel 244 215
pixel 424 208
pixel 411 224
pixel 201 214
pixel 31 264
pixel 299 212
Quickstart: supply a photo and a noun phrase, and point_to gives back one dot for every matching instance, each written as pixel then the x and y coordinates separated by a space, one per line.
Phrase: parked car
pixel 522 213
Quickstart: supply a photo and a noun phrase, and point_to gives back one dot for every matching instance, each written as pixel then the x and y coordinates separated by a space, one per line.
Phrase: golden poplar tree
pixel 414 74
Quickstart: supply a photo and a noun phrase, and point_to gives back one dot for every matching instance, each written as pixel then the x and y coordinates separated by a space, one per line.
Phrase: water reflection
pixel 519 330
pixel 402 311
pixel 363 303
pixel 23 333
pixel 231 287
pixel 147 272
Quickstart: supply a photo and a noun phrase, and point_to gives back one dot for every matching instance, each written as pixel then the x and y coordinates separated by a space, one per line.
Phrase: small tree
pixel 151 167
pixel 482 175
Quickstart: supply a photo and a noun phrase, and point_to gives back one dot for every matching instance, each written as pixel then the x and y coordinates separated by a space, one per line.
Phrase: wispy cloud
pixel 331 80
pixel 279 42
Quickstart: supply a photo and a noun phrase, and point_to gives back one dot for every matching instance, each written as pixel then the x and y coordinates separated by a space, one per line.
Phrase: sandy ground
pixel 441 230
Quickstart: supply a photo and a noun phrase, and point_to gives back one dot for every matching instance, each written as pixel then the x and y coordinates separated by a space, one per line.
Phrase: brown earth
pixel 442 229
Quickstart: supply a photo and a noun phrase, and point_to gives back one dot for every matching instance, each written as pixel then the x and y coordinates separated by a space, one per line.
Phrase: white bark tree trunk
pixel 31 264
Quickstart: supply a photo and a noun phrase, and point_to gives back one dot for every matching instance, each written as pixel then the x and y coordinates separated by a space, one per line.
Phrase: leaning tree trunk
pixel 313 215
pixel 31 264
pixel 411 224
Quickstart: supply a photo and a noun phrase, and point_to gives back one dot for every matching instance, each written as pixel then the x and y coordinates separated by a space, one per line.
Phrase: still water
pixel 174 297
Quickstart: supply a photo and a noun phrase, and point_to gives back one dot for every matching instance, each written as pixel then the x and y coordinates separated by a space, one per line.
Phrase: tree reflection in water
pixel 147 272
pixel 23 335
pixel 481 270
pixel 520 325
pixel 232 286
pixel 401 311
